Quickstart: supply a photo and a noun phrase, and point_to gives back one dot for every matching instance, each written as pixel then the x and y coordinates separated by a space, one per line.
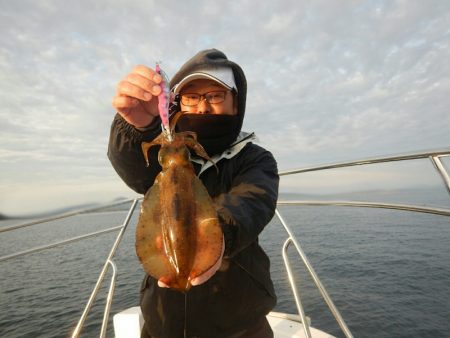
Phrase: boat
pixel 128 322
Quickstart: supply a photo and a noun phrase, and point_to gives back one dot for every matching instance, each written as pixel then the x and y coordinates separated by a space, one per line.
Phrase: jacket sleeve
pixel 250 204
pixel 125 154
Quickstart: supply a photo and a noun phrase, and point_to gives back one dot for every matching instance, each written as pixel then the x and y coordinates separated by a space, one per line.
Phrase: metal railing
pixel 108 262
pixel 292 240
pixel 435 158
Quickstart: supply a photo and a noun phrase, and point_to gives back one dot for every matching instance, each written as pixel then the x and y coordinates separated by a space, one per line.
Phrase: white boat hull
pixel 128 324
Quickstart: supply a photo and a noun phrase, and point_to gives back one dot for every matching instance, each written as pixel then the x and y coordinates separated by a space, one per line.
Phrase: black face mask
pixel 214 132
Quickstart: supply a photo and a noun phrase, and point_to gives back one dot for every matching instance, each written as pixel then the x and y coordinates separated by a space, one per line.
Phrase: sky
pixel 327 81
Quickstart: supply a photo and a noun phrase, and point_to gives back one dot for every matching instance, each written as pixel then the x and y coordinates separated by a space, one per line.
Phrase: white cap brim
pixel 224 76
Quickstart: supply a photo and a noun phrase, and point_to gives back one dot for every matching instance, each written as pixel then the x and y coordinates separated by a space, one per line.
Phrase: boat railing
pixel 108 263
pixel 292 240
pixel 435 158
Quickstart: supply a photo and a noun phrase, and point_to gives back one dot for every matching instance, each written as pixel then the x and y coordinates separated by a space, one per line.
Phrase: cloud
pixel 327 81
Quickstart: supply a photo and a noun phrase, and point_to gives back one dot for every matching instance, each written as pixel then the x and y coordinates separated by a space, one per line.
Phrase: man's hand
pixel 136 97
pixel 204 276
pixel 208 274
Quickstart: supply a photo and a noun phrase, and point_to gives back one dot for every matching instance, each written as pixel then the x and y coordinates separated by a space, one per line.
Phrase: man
pixel 211 91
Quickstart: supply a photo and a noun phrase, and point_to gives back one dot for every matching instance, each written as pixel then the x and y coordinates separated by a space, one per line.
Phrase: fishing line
pixel 185 314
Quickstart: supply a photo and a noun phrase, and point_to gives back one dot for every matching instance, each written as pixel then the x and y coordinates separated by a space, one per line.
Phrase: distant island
pixel 4 217
pixel 88 207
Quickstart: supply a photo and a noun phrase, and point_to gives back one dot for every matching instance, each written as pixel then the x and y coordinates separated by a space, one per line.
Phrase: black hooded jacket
pixel 245 191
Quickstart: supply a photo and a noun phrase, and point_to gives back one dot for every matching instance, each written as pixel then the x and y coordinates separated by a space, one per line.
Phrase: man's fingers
pixel 126 88
pixel 161 284
pixel 144 83
pixel 147 73
pixel 208 274
pixel 124 102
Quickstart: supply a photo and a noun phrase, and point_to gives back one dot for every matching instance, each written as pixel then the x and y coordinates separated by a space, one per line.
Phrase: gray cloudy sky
pixel 328 81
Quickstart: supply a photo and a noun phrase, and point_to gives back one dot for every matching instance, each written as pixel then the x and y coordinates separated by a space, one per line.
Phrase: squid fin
pixel 209 232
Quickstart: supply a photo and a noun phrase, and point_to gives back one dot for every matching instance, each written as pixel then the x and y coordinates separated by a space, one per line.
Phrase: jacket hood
pixel 216 59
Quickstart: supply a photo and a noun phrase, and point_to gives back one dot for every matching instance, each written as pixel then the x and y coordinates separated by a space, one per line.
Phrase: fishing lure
pixel 164 99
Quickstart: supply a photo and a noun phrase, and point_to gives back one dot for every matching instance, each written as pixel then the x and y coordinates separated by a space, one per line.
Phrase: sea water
pixel 387 271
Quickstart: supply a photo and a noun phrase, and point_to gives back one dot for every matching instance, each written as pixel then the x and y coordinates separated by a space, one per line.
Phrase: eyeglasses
pixel 192 99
